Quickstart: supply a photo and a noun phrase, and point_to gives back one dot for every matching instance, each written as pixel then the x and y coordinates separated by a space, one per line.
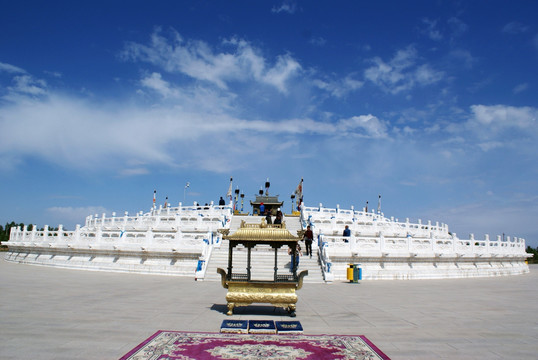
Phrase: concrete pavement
pixel 51 313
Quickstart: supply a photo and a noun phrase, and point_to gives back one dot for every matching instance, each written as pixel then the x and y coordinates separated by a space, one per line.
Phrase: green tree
pixel 6 230
pixel 534 259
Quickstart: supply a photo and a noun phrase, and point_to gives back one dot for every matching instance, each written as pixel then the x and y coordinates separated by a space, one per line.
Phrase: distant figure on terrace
pixel 347 233
pixel 308 238
pixel 295 252
pixel 268 217
pixel 222 202
pixel 262 209
pixel 278 219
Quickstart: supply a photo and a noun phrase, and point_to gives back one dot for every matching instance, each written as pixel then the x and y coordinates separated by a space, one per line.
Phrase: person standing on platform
pixel 222 202
pixel 347 233
pixel 268 217
pixel 295 253
pixel 308 238
pixel 278 219
pixel 262 209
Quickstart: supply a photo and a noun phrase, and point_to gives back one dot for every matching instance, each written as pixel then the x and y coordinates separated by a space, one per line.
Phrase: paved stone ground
pixel 50 313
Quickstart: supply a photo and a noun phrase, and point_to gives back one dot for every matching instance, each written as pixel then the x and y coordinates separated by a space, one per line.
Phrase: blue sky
pixel 431 104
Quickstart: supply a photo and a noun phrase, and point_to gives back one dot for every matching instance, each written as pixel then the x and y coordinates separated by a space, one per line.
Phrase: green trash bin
pixel 358 271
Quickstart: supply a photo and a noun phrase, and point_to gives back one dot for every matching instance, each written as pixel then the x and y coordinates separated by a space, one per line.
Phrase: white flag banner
pixel 299 190
pixel 229 193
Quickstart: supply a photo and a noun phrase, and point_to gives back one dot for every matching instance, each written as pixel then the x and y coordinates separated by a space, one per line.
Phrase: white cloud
pixel 133 171
pixel 27 85
pixel 401 73
pixel 496 126
pixel 201 62
pixel 494 217
pixel 156 83
pixel 520 88
pixel 317 41
pixel 198 129
pixel 431 29
pixel 490 145
pixel 287 7
pixel 284 69
pixel 514 27
pixel 11 68
pixel 69 215
pixel 496 117
pixel 463 56
pixel 341 87
pixel 425 75
pixel 364 125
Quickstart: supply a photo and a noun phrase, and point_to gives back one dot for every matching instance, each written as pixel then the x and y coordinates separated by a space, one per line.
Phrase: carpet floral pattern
pixel 176 345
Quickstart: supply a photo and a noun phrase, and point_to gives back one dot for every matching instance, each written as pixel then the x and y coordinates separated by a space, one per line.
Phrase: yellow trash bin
pixel 350 272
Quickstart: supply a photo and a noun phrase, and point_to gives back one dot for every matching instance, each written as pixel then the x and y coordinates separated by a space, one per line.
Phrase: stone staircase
pixel 263 256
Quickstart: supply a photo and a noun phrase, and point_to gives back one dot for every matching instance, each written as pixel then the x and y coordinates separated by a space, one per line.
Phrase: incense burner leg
pixel 291 310
pixel 230 309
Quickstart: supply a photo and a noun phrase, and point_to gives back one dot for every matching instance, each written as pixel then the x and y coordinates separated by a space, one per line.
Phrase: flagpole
pixel 229 193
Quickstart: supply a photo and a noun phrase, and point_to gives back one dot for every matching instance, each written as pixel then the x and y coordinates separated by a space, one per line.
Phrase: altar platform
pixel 51 313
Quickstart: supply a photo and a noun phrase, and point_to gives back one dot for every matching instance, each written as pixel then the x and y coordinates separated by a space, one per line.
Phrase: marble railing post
pixel 487 243
pixel 24 230
pixel 472 241
pixel 113 220
pixel 60 232
pixel 33 234
pixel 76 235
pixel 149 237
pixel 353 243
pixel 14 234
pixel 46 233
pixel 157 219
pixel 381 241
pixel 98 234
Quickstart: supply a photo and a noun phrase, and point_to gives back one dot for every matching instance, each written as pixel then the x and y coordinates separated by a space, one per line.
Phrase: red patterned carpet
pixel 175 345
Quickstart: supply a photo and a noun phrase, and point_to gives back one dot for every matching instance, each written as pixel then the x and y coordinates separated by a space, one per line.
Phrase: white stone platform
pixel 184 241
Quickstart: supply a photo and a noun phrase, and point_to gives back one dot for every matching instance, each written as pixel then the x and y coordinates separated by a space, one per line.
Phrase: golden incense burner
pixel 242 290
